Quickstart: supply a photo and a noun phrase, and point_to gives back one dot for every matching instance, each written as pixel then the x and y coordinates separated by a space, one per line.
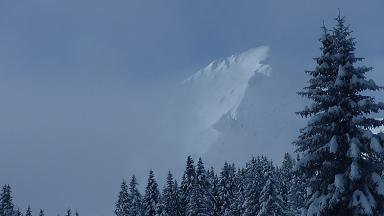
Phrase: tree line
pixel 260 188
pixel 8 208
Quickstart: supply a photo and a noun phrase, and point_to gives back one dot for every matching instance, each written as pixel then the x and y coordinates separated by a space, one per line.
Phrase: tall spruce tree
pixel 68 213
pixel 237 203
pixel 41 212
pixel 286 175
pixel 6 202
pixel 135 199
pixel 254 183
pixel 214 191
pixel 227 188
pixel 123 201
pixel 18 212
pixel 170 197
pixel 200 201
pixel 151 198
pixel 28 212
pixel 341 156
pixel 271 202
pixel 187 183
pixel 296 193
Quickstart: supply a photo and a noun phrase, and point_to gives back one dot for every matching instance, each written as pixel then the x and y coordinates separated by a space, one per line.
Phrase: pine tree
pixel 187 183
pixel 69 212
pixel 123 201
pixel 253 184
pixel 286 175
pixel 237 204
pixel 41 213
pixel 6 203
pixel 200 201
pixel 29 211
pixel 271 202
pixel 151 197
pixel 135 208
pixel 226 188
pixel 215 193
pixel 170 197
pixel 341 156
pixel 296 194
pixel 76 213
pixel 18 212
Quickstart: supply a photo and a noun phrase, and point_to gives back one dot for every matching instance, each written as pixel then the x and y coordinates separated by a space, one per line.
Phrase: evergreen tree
pixel 6 203
pixel 123 201
pixel 160 209
pixel 286 175
pixel 69 212
pixel 237 204
pixel 170 197
pixel 77 213
pixel 215 193
pixel 29 211
pixel 135 208
pixel 271 202
pixel 296 194
pixel 200 201
pixel 341 157
pixel 253 185
pixel 226 188
pixel 18 212
pixel 151 197
pixel 41 213
pixel 187 183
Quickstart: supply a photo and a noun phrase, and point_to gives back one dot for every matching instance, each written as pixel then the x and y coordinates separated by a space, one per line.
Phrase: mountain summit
pixel 217 90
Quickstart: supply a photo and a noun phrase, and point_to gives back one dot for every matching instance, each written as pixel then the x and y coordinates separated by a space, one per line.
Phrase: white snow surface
pixel 236 107
pixel 221 85
pixel 217 90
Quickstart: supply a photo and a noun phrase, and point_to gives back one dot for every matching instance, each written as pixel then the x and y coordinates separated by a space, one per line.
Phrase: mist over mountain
pixel 237 108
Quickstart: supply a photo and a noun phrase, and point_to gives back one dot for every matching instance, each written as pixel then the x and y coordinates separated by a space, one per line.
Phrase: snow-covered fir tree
pixel 286 175
pixel 254 182
pixel 200 202
pixel 187 183
pixel 6 202
pixel 237 203
pixel 28 212
pixel 123 201
pixel 271 202
pixel 227 188
pixel 135 208
pixel 151 198
pixel 341 156
pixel 214 191
pixel 296 193
pixel 41 212
pixel 18 212
pixel 68 213
pixel 170 197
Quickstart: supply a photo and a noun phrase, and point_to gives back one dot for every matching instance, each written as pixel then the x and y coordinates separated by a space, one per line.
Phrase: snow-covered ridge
pixel 220 86
pixel 216 91
pixel 249 60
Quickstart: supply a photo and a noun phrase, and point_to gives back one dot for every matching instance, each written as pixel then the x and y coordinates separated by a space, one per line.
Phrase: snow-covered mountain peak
pixel 249 61
pixel 218 89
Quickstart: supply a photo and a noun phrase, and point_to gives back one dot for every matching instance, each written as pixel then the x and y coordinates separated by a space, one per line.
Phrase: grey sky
pixel 84 85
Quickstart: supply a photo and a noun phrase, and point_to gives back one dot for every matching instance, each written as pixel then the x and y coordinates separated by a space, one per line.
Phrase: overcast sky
pixel 84 85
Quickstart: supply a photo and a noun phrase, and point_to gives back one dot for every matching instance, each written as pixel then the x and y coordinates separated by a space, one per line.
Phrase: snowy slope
pixel 238 108
pixel 218 90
